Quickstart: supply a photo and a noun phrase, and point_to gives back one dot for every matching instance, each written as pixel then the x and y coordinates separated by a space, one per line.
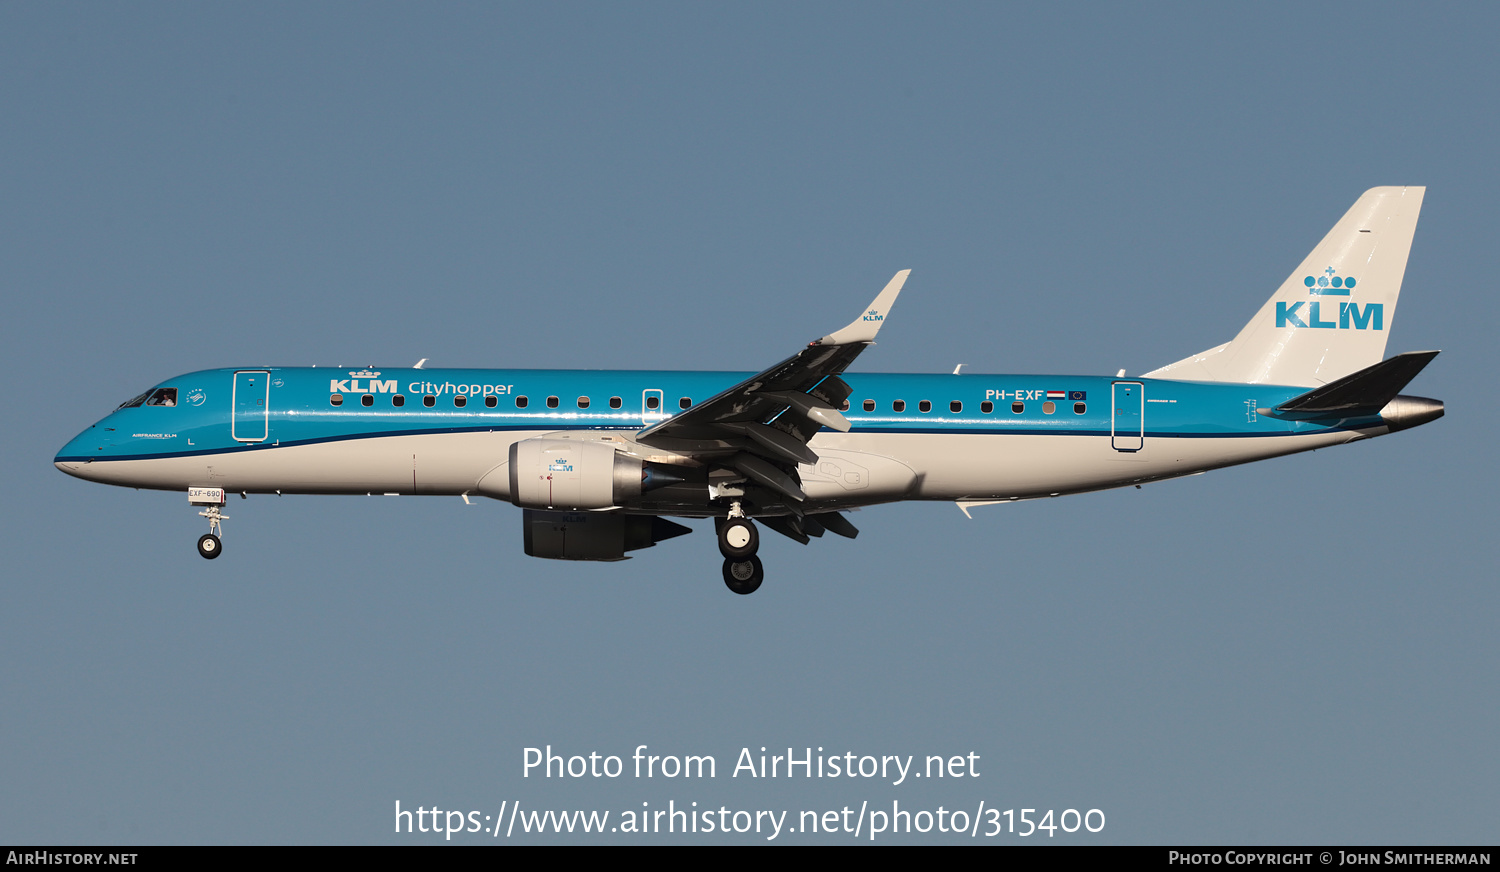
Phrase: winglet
pixel 864 328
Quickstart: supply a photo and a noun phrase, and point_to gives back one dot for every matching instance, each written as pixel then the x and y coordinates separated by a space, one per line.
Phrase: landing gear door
pixel 1128 425
pixel 651 407
pixel 251 421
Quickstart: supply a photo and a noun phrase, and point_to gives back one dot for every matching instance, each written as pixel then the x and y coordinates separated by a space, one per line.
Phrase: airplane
pixel 598 461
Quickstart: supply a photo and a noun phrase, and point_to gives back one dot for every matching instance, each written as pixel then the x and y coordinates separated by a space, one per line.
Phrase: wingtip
pixel 864 328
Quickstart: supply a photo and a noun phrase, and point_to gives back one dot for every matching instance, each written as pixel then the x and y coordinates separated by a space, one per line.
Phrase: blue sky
pixel 1296 651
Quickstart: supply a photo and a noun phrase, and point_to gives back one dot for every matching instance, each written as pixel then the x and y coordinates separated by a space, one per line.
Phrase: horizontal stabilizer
pixel 1366 391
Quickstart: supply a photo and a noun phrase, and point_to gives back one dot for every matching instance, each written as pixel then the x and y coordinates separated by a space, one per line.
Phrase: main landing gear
pixel 738 542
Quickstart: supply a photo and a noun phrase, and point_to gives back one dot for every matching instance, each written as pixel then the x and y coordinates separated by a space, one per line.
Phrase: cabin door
pixel 251 421
pixel 1127 428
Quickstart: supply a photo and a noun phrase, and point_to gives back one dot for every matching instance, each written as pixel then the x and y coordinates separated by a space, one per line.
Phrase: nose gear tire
pixel 209 546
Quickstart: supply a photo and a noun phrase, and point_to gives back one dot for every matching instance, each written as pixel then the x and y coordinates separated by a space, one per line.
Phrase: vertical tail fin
pixel 1330 317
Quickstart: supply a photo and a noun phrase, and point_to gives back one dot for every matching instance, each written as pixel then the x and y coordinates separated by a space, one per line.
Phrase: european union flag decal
pixel 1078 396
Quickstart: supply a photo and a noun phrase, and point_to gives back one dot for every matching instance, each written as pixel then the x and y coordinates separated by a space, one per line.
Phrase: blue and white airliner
pixel 598 461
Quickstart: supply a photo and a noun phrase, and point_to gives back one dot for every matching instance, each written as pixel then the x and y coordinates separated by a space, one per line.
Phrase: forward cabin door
pixel 1128 427
pixel 251 420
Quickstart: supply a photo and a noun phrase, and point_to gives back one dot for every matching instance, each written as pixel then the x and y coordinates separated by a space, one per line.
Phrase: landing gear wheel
pixel 738 539
pixel 209 546
pixel 744 576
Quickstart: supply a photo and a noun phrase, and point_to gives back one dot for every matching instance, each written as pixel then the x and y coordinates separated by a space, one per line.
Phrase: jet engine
pixel 572 474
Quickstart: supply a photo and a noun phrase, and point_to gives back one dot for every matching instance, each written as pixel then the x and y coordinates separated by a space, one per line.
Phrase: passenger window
pixel 653 402
pixel 552 402
pixel 614 402
pixel 1017 408
pixel 986 407
pixel 367 401
pixel 685 403
pixel 397 400
pixel 1049 407
pixel 521 402
pixel 898 406
pixel 335 399
pixel 491 402
pixel 925 406
pixel 583 402
pixel 955 406
pixel 844 407
pixel 1079 408
pixel 460 401
pixel 868 405
pixel 429 401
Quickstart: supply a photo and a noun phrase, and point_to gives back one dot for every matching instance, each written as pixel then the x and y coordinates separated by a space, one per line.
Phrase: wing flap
pixel 768 476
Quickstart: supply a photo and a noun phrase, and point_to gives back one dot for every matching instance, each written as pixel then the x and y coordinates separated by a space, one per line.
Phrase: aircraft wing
pixel 762 425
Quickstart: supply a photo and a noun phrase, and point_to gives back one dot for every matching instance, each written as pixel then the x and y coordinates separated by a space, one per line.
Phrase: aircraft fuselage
pixel 928 437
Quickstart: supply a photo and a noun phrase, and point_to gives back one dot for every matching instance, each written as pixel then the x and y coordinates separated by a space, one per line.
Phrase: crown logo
pixel 1329 285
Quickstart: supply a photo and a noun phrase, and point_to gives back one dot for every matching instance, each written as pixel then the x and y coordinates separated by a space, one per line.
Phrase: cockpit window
pixel 133 401
pixel 163 397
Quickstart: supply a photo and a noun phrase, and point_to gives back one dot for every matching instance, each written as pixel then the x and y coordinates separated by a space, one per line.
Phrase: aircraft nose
pixel 74 457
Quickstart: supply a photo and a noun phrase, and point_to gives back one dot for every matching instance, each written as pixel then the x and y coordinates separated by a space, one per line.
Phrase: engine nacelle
pixel 572 474
pixel 593 535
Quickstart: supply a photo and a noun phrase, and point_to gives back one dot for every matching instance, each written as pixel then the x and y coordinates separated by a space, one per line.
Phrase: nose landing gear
pixel 209 545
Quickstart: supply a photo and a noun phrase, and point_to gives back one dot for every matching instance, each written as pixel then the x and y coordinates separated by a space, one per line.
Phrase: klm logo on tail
pixel 1351 316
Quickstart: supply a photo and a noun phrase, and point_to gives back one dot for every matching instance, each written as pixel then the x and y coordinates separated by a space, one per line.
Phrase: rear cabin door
pixel 251 421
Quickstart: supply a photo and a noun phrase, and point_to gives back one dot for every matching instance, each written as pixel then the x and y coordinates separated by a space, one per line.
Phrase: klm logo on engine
pixel 1351 316
pixel 372 384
